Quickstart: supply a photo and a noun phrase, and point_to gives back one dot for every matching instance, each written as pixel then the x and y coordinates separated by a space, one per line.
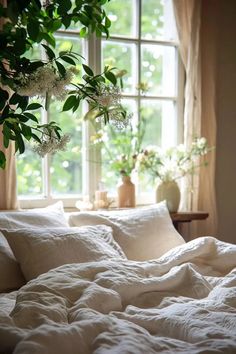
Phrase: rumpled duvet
pixel 183 302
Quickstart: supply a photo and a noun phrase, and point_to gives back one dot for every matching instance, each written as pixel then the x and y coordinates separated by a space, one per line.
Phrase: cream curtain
pixel 8 190
pixel 197 50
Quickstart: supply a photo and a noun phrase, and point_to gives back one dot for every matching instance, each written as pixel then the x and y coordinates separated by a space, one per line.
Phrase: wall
pixel 226 121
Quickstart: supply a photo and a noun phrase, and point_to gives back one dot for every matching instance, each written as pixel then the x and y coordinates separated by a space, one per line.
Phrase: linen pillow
pixel 11 276
pixel 37 251
pixel 52 216
pixel 142 233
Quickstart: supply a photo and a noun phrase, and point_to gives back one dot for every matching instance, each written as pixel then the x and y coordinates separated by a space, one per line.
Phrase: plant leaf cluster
pixel 26 23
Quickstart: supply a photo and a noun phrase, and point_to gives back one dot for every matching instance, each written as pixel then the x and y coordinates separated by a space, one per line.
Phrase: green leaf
pixel 83 19
pixel 102 2
pixel 76 104
pixel 66 20
pixel 34 65
pixel 6 135
pixel 87 69
pixel 64 6
pixel 49 51
pixel 26 131
pixel 33 29
pixel 89 10
pixel 2 160
pixel 70 102
pixel 5 112
pixel 2 105
pixel 6 141
pixel 15 98
pixel 56 25
pixel 3 95
pixel 20 143
pixel 31 116
pixel 98 33
pixel 83 32
pixel 33 106
pixel 111 77
pixel 36 138
pixel 68 59
pixel 49 38
pixel 107 22
pixel 57 133
pixel 60 68
pixel 23 102
pixel 79 3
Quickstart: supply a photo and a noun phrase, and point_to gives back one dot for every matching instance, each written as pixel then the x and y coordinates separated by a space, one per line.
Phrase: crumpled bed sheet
pixel 183 302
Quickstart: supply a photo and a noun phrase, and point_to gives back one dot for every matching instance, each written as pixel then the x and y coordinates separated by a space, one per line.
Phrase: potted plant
pixel 168 166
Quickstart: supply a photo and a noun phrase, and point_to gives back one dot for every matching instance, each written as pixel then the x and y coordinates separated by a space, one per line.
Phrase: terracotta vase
pixel 169 191
pixel 126 193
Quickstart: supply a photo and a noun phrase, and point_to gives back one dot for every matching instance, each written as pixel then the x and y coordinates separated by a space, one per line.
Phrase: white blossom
pixel 107 95
pixel 45 80
pixel 172 163
pixel 51 144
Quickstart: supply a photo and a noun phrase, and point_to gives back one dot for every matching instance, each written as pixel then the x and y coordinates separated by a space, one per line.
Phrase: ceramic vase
pixel 169 191
pixel 126 193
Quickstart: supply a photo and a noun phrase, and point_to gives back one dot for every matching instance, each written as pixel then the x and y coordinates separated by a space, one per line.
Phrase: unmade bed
pixel 113 282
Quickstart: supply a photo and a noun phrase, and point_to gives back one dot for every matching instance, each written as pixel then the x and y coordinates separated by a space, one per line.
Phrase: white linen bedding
pixel 183 302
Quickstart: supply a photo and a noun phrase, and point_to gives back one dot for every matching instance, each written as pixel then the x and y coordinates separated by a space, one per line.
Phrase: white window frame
pixel 92 171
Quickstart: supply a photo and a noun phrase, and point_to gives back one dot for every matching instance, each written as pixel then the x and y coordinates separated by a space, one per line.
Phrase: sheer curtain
pixel 8 190
pixel 198 52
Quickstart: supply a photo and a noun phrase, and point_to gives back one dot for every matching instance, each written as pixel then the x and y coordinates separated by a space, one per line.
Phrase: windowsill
pixel 70 201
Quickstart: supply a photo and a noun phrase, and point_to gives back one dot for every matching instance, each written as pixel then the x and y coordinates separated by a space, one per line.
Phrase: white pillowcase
pixel 142 233
pixel 11 276
pixel 37 251
pixel 52 216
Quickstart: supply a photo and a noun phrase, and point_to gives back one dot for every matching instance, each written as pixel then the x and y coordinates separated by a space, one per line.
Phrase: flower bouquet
pixel 170 165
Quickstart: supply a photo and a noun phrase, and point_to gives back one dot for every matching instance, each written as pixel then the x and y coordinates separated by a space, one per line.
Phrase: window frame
pixel 91 174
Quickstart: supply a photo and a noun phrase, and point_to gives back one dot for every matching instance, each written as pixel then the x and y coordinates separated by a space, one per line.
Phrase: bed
pixel 113 282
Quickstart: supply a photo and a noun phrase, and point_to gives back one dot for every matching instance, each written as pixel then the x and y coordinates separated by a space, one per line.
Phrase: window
pixel 144 44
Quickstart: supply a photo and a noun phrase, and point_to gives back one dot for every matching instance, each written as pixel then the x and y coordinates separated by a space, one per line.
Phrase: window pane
pixel 66 166
pixel 160 120
pixel 157 21
pixel 151 112
pixel 29 173
pixel 158 69
pixel 160 130
pixel 122 56
pixel 122 16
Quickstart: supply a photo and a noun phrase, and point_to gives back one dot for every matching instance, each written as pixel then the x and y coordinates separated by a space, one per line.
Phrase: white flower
pixel 51 144
pixel 118 120
pixel 45 80
pixel 173 163
pixel 107 96
pixel 107 99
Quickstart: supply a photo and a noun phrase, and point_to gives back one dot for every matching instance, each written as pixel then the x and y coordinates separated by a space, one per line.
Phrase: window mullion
pixel 46 163
pixel 92 170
